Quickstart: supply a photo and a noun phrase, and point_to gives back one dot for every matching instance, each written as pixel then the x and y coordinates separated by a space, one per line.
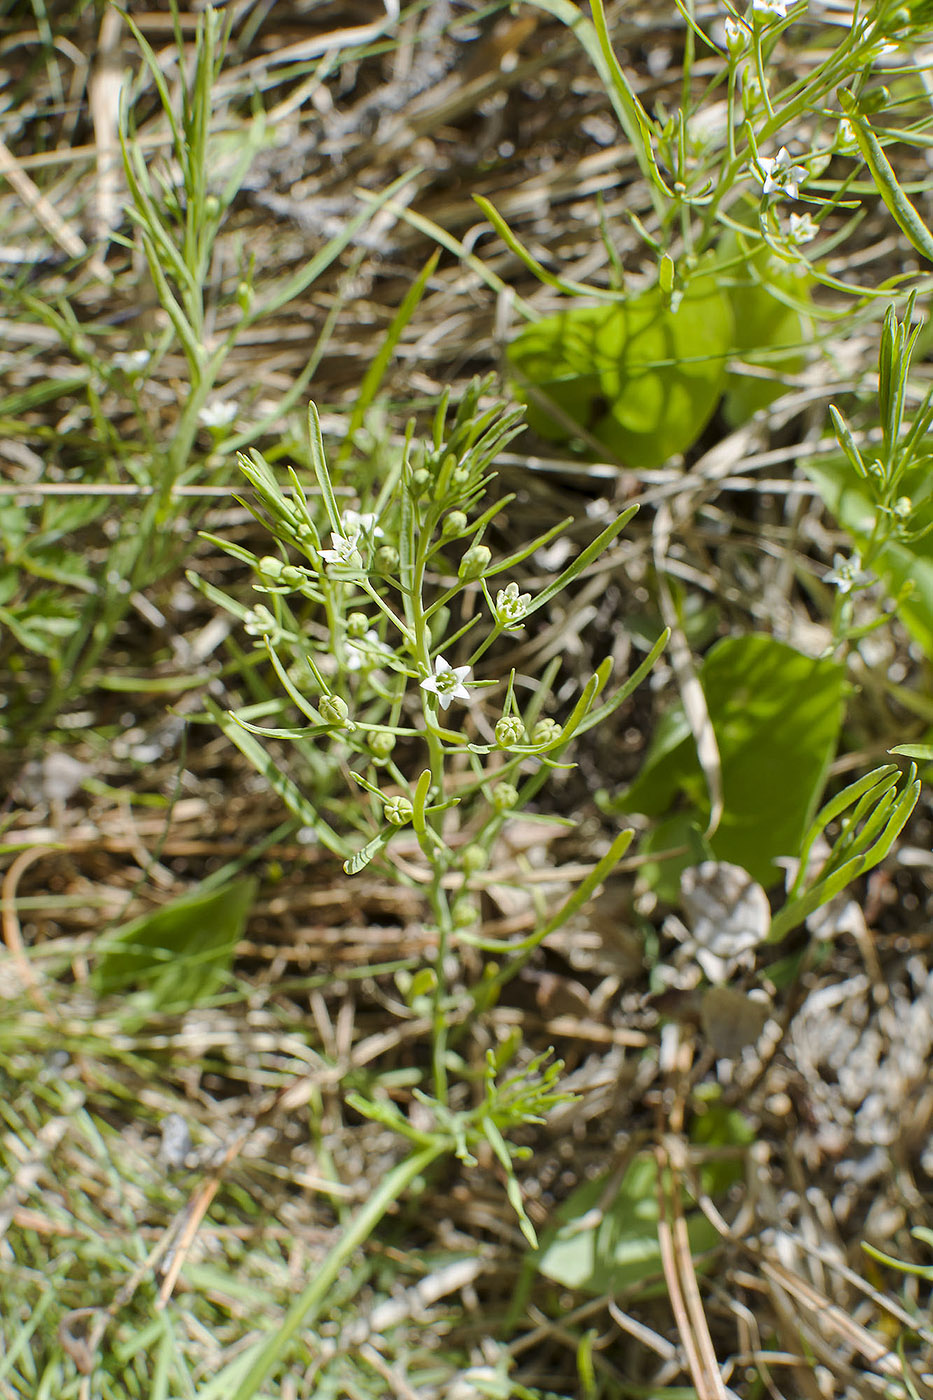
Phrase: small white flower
pixel 779 175
pixel 447 683
pixel 363 649
pixel 847 574
pixel 344 551
pixel 217 413
pixel 775 8
pixel 511 606
pixel 802 228
pixel 354 524
pixel 132 362
pixel 355 529
pixel 735 35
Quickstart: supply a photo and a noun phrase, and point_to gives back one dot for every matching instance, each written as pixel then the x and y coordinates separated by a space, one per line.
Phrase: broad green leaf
pixel 182 952
pixel 776 714
pixel 619 1249
pixel 899 563
pixel 642 379
pixel 765 325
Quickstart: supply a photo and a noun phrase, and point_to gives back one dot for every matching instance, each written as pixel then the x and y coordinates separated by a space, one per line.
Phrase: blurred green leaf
pixel 604 1247
pixel 642 379
pixel 776 715
pixel 182 952
pixel 764 326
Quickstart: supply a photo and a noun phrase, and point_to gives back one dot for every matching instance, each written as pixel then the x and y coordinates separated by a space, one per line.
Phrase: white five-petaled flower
pixel 131 362
pixel 511 606
pixel 779 175
pixel 447 683
pixel 365 648
pixel 777 8
pixel 344 551
pixel 217 413
pixel 346 542
pixel 802 228
pixel 847 574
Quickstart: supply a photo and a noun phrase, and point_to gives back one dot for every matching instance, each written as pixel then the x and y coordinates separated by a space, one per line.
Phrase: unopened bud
pixel 473 859
pixel 381 744
pixel 509 731
pixel 334 710
pixel 475 562
pixel 504 796
pixel 398 810
pixel 546 731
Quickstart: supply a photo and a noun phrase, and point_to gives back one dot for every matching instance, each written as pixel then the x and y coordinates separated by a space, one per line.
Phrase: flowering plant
pixel 390 645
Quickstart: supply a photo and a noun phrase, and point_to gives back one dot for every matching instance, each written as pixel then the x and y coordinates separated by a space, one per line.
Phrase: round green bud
pixel 504 796
pixel 473 859
pixel 475 562
pixel 546 731
pixel 387 559
pixel 454 524
pixel 381 744
pixel 271 567
pixel 461 476
pixel 211 206
pixel 244 297
pixel 357 624
pixel 903 507
pixel 420 481
pixel 509 731
pixel 398 810
pixel 464 913
pixel 334 710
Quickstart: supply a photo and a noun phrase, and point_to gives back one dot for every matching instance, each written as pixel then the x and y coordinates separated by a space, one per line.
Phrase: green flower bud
pixel 504 796
pixel 211 206
pixel 270 566
pixel 381 744
pixel 387 559
pixel 546 731
pixel 244 297
pixel 473 859
pixel 903 507
pixel 509 731
pixel 454 524
pixel 398 810
pixel 464 913
pixel 475 562
pixel 461 476
pixel 334 710
pixel 420 481
pixel 357 624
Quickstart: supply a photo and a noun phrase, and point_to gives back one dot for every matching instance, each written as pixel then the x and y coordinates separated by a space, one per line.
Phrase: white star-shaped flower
pixel 217 413
pixel 344 551
pixel 802 228
pixel 775 8
pixel 346 542
pixel 779 175
pixel 847 574
pixel 447 683
pixel 511 606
